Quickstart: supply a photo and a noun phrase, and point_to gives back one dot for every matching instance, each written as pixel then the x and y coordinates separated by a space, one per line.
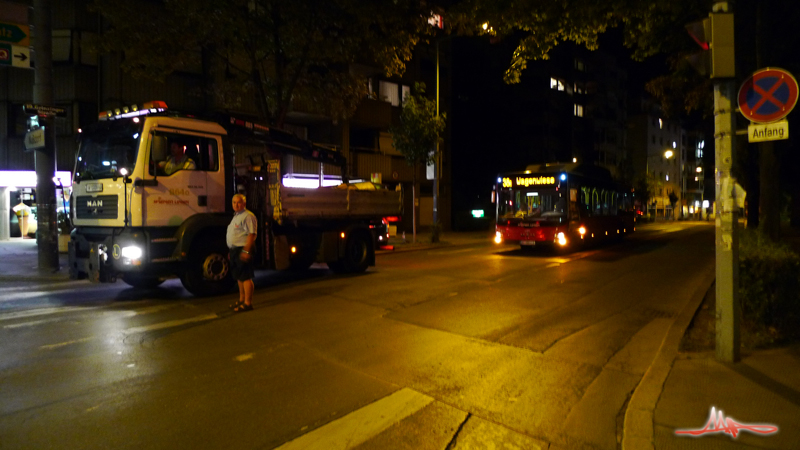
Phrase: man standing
pixel 241 239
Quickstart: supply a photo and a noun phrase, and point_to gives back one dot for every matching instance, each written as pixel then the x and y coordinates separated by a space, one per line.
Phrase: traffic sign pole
pixel 45 158
pixel 728 307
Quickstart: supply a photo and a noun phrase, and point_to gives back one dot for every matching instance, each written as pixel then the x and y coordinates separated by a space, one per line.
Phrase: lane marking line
pixel 170 324
pixel 31 324
pixel 362 424
pixel 134 330
pixel 45 311
pixel 63 344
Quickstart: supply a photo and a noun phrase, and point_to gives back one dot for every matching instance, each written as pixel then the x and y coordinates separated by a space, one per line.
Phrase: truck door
pixel 182 164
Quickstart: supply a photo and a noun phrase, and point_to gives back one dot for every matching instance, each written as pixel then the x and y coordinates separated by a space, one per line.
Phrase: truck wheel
pixel 356 255
pixel 141 281
pixel 208 271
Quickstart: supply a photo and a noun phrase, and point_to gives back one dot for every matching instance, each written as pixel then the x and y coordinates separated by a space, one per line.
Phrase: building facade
pixel 670 158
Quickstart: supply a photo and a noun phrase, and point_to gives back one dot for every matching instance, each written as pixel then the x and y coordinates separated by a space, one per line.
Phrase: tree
pixel 416 135
pixel 283 54
pixel 673 200
pixel 644 190
pixel 540 25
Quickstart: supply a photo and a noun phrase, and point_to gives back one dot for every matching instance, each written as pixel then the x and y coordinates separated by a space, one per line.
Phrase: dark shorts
pixel 240 270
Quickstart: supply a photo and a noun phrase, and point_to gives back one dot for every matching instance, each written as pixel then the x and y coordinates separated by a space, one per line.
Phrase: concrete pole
pixel 5 217
pixel 727 243
pixel 47 234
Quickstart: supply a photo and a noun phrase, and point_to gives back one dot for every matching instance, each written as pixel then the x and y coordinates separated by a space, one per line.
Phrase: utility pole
pixel 715 36
pixel 437 163
pixel 727 240
pixel 45 158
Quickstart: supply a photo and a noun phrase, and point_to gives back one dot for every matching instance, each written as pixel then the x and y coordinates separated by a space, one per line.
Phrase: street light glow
pixel 668 154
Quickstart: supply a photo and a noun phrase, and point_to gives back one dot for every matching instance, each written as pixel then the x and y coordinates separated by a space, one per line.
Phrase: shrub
pixel 769 284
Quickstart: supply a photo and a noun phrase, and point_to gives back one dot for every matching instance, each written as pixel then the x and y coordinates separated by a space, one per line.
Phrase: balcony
pixel 373 113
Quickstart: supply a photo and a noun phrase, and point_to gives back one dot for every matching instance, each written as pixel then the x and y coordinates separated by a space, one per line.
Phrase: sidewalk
pixel 680 388
pixel 19 261
pixel 676 393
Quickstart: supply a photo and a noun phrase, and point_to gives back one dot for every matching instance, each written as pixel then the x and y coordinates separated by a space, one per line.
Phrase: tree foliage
pixel 541 25
pixel 419 128
pixel 280 53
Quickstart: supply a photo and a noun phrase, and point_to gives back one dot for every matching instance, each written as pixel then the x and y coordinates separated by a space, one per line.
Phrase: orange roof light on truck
pixel 133 110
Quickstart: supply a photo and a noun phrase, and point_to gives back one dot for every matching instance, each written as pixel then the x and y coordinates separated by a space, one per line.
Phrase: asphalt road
pixel 447 348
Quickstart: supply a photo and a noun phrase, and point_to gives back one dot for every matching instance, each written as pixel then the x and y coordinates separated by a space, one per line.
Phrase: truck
pixel 133 221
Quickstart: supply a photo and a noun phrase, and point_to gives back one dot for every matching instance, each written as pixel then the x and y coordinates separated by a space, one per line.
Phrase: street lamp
pixel 437 159
pixel 669 154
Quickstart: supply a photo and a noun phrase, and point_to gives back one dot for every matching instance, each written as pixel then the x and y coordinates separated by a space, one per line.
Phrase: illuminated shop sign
pixel 527 181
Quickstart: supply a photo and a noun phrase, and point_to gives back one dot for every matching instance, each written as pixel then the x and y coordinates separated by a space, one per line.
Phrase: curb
pixel 637 429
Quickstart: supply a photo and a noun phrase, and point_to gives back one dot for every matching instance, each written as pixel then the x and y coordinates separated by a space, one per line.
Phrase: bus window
pixel 596 206
pixel 614 203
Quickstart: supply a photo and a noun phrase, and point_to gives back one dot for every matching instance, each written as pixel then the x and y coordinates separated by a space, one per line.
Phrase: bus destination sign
pixel 528 181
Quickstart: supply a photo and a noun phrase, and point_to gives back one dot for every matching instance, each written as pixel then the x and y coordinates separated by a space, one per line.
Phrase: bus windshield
pixel 531 205
pixel 106 148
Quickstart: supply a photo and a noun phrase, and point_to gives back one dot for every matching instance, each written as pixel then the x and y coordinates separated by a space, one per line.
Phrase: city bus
pixel 565 205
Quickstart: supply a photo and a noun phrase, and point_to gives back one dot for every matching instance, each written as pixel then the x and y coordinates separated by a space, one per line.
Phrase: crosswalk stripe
pixel 362 424
pixel 44 311
pixel 134 330
pixel 170 324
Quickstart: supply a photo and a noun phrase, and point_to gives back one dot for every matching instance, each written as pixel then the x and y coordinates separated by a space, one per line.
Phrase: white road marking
pixel 362 424
pixel 30 324
pixel 170 324
pixel 44 311
pixel 244 357
pixel 133 330
pixel 33 294
pixel 64 344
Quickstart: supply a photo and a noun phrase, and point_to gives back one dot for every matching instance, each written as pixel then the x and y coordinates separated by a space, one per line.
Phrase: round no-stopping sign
pixel 768 95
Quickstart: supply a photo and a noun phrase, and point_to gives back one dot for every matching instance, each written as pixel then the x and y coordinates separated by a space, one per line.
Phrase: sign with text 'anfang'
pixel 768 131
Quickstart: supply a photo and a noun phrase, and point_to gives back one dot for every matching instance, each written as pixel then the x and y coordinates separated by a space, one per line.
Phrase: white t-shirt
pixel 242 225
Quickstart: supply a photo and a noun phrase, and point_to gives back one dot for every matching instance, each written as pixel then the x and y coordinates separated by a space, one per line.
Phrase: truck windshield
pixel 106 148
pixel 530 205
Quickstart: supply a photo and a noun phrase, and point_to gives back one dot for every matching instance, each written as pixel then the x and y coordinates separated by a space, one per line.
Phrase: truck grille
pixel 100 207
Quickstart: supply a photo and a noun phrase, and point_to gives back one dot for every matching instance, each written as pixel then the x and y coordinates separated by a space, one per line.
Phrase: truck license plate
pixel 527 242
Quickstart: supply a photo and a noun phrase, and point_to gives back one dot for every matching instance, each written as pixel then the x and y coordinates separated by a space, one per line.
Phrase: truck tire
pixel 356 255
pixel 141 281
pixel 208 270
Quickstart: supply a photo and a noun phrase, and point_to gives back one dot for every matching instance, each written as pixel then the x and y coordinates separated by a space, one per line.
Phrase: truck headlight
pixel 498 237
pixel 561 239
pixel 131 254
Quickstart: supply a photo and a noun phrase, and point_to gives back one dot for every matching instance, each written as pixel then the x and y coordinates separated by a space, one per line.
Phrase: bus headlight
pixel 498 237
pixel 561 238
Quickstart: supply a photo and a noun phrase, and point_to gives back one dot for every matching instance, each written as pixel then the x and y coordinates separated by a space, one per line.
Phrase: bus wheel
pixel 141 281
pixel 356 255
pixel 208 270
